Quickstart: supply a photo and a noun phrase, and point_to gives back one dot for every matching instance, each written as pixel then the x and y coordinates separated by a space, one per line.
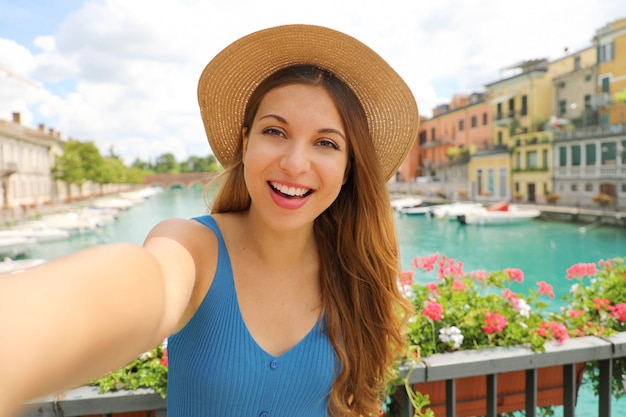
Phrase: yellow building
pixel 610 44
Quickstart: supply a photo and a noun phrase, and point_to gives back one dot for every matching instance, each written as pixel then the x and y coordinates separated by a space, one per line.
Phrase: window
pixel 422 137
pixel 499 137
pixel 484 119
pixel 546 163
pixel 461 125
pixel 432 134
pixel 562 156
pixel 574 187
pixel 531 159
pixel 576 155
pixel 587 101
pixel 499 111
pixel 562 107
pixel 576 63
pixel 590 154
pixel 609 153
pixel 588 187
pixel 524 111
pixel 605 52
pixel 623 152
pixel 561 84
pixel 606 84
pixel 512 107
pixel 518 160
pixel 588 77
pixel 474 122
pixel 490 180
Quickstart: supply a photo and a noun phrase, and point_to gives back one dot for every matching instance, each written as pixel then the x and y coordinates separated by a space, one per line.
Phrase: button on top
pixel 273 365
pixel 264 414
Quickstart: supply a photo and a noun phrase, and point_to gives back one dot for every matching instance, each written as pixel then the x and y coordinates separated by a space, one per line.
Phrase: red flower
pixel 432 287
pixel 601 304
pixel 545 288
pixel 618 312
pixel 458 285
pixel 514 274
pixel 575 313
pixel 433 310
pixel 407 278
pixel 581 270
pixel 494 322
pixel 164 358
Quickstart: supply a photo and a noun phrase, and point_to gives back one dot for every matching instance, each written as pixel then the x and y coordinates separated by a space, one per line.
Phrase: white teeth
pixel 290 191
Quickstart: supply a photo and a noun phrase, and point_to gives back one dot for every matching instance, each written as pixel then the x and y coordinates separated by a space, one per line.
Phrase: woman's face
pixel 295 156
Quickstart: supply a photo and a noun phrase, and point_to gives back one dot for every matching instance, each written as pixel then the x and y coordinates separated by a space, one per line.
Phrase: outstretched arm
pixel 73 319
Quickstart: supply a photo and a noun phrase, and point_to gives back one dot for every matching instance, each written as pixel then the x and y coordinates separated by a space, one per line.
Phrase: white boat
pixel 406 202
pixel 40 234
pixel 113 203
pixel 416 211
pixel 499 214
pixel 36 229
pixel 74 222
pixel 15 266
pixel 453 210
pixel 16 246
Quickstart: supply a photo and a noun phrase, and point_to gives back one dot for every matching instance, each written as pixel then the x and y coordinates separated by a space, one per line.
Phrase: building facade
pixel 26 159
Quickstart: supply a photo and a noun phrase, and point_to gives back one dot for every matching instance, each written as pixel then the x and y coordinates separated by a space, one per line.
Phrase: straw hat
pixel 230 78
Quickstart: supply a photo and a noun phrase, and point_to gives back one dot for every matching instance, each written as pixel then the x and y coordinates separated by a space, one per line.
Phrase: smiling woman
pixel 294 272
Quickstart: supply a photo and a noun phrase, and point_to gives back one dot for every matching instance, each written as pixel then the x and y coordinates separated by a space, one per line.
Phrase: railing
pixel 450 367
pixel 447 367
pixel 591 172
pixel 591 132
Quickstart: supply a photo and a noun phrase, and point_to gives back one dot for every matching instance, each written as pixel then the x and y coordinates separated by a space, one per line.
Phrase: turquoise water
pixel 543 250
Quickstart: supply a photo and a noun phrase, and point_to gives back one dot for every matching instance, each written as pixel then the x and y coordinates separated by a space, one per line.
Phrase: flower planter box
pixel 471 392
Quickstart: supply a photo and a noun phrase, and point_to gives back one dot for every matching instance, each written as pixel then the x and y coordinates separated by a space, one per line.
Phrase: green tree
pixel 166 164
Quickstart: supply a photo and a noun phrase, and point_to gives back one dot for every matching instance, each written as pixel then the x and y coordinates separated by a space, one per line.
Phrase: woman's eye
pixel 273 131
pixel 328 143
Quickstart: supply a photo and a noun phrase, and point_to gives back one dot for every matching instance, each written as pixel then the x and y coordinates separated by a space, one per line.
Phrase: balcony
pixel 591 132
pixel 594 172
pixel 448 367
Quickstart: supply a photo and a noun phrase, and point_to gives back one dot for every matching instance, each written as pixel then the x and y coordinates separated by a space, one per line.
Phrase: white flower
pixel 523 308
pixel 574 288
pixel 451 335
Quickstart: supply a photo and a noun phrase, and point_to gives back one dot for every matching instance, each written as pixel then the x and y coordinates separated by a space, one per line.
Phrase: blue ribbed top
pixel 216 369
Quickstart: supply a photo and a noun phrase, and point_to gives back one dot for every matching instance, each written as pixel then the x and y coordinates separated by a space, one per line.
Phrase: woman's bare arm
pixel 73 319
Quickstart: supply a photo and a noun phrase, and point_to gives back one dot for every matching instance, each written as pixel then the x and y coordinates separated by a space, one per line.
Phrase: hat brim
pixel 230 78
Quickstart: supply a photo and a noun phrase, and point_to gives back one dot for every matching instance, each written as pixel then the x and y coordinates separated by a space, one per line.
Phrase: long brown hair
pixel 364 311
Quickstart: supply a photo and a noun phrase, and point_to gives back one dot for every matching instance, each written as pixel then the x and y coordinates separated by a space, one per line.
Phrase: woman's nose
pixel 296 159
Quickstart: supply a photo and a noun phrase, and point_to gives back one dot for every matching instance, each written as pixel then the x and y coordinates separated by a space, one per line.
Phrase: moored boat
pixel 498 214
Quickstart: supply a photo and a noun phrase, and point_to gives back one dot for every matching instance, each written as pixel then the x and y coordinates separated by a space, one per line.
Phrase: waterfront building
pixel 610 44
pixel 26 159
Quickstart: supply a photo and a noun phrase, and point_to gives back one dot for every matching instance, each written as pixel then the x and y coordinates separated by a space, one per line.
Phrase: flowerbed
pixel 456 310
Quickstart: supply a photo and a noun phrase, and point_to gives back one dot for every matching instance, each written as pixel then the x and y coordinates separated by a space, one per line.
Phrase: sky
pixel 123 73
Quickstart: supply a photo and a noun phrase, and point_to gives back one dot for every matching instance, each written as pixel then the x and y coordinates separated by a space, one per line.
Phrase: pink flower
pixel 510 296
pixel 479 275
pixel 448 267
pixel 545 288
pixel 458 285
pixel 580 270
pixel 407 278
pixel 494 322
pixel 618 312
pixel 575 313
pixel 433 287
pixel 427 263
pixel 559 331
pixel 514 274
pixel 601 304
pixel 433 310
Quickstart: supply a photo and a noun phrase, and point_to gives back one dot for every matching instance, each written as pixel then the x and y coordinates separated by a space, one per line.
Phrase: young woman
pixel 284 300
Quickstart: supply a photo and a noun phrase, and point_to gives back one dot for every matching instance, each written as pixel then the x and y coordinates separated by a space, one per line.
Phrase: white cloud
pixel 124 73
